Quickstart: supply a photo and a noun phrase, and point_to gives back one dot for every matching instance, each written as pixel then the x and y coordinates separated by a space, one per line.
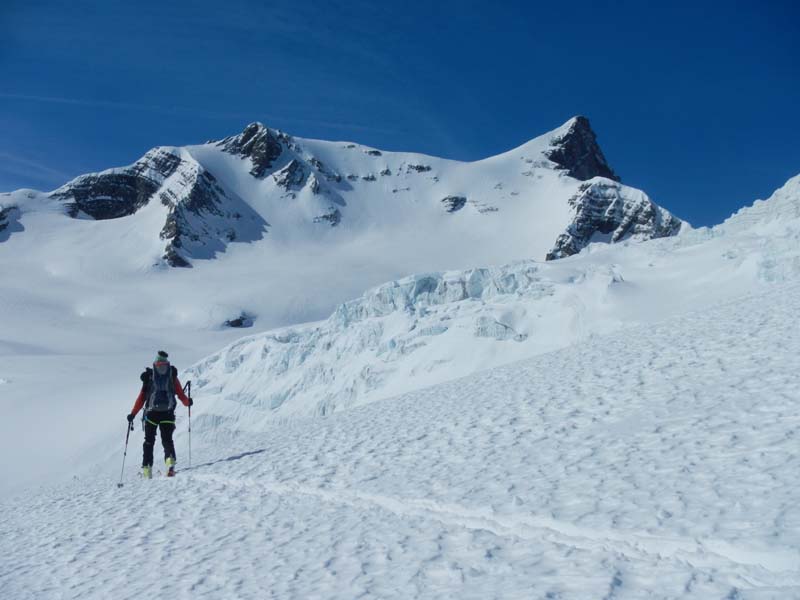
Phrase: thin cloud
pixel 20 166
pixel 173 110
pixel 119 105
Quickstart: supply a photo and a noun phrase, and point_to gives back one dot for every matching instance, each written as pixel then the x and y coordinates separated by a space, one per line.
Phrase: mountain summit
pixel 577 151
pixel 548 198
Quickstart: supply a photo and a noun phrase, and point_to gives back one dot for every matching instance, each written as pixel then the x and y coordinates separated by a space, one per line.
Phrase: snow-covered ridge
pixel 237 189
pixel 431 327
pixel 782 206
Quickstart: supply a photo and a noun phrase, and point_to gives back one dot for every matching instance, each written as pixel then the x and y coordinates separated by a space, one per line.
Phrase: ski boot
pixel 147 472
pixel 170 467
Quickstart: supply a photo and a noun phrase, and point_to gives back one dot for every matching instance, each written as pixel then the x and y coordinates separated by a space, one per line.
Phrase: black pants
pixel 165 421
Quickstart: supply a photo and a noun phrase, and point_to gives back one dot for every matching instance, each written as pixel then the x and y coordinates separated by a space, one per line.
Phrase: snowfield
pixel 431 327
pixel 621 423
pixel 279 231
pixel 654 462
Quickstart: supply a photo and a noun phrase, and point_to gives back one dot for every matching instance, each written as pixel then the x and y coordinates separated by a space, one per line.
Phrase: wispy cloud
pixel 185 110
pixel 120 105
pixel 22 167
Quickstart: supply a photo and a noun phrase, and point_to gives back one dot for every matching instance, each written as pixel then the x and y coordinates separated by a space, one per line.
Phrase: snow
pixel 81 297
pixel 621 423
pixel 428 328
pixel 655 461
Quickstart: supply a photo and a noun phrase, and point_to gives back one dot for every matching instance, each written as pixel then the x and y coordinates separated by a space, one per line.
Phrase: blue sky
pixel 697 103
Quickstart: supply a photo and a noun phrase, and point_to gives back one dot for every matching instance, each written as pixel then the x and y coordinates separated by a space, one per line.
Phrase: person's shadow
pixel 228 459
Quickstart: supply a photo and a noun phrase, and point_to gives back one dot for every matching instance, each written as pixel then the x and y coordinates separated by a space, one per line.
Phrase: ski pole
pixel 128 429
pixel 188 391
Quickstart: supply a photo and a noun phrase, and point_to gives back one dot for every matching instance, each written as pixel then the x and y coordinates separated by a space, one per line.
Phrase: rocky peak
pixel 118 192
pixel 608 211
pixel 262 145
pixel 576 150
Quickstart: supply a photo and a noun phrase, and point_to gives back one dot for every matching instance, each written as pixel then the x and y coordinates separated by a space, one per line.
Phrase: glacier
pixel 620 422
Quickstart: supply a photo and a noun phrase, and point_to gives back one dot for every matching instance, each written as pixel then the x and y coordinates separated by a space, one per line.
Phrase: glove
pixel 191 402
pixel 130 418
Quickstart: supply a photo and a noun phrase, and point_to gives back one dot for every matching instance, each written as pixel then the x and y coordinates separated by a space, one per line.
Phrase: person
pixel 160 385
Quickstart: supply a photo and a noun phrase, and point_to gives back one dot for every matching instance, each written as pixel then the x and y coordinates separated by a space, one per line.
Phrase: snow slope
pixel 643 444
pixel 278 231
pixel 429 328
pixel 658 461
pixel 316 224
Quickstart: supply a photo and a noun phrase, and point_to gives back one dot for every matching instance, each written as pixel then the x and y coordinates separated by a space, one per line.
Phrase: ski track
pixel 632 545
pixel 634 466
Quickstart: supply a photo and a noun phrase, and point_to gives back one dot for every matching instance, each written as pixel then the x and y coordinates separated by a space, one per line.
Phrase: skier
pixel 159 387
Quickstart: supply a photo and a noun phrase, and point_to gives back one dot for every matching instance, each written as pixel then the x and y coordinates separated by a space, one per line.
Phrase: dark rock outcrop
pixel 118 192
pixel 454 203
pixel 9 221
pixel 260 144
pixel 333 217
pixel 5 216
pixel 324 170
pixel 314 184
pixel 578 153
pixel 608 211
pixel 203 218
pixel 243 320
pixel 292 176
pixel 418 168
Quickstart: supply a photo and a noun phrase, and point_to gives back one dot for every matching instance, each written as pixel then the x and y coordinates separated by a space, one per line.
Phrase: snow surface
pixel 659 461
pixel 432 327
pixel 81 297
pixel 618 424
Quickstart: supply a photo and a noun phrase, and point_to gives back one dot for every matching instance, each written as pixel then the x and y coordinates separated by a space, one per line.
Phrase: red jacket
pixel 137 406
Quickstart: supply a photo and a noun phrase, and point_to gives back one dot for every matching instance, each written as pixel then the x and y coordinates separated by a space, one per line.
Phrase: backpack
pixel 160 387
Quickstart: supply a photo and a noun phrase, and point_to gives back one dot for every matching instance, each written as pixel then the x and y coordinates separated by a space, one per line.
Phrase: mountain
pixel 263 182
pixel 432 327
pixel 620 422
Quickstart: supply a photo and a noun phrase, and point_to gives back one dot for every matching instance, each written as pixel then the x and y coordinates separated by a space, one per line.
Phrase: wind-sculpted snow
pixel 782 207
pixel 656 462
